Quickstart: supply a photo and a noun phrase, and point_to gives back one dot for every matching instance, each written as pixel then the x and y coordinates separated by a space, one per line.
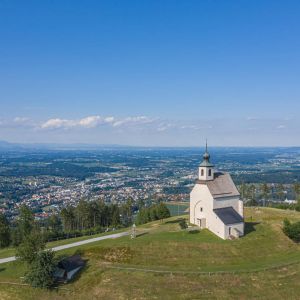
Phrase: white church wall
pixel 200 198
pixel 216 225
pixel 237 226
pixel 241 208
pixel 234 202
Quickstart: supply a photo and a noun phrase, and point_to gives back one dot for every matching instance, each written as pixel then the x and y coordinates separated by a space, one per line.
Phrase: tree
pixel 243 191
pixel 280 191
pixel 251 196
pixel 143 216
pixel 183 224
pixel 265 191
pixel 54 224
pixel 115 215
pixel 68 218
pixel 4 231
pixel 82 213
pixel 30 246
pixel 153 213
pixel 25 221
pixel 24 225
pixel 162 211
pixel 94 213
pixel 296 188
pixel 40 271
pixel 126 211
pixel 16 236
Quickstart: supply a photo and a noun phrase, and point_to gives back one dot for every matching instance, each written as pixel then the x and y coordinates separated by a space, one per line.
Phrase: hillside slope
pixel 164 262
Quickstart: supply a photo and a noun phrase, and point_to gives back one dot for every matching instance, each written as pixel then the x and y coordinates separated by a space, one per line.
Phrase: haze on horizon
pixel 150 73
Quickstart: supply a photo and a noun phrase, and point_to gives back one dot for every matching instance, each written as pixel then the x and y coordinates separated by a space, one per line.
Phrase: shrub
pixel 292 230
pixel 41 269
pixel 183 224
pixel 155 212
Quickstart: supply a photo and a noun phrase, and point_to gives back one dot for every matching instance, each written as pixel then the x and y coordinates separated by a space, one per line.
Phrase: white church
pixel 215 202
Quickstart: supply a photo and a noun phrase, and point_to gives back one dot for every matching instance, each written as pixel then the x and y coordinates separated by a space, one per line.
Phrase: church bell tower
pixel 206 169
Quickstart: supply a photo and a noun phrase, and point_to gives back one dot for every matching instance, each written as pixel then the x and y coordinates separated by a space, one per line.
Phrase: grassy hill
pixel 164 262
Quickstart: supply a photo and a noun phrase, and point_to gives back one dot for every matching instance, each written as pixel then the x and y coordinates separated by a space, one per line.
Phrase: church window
pixel 202 172
pixel 201 208
pixel 209 172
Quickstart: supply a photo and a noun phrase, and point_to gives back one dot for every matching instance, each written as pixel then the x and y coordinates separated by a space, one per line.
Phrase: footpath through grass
pixel 7 252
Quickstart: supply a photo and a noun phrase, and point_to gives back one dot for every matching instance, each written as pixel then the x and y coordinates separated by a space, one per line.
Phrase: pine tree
pixel 4 231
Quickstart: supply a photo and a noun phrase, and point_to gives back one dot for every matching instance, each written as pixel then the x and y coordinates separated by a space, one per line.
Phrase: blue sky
pixel 159 73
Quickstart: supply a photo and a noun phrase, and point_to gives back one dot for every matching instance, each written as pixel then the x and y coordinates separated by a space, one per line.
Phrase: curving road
pixel 76 244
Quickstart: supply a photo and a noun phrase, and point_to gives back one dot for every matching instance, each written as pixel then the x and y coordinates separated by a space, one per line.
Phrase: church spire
pixel 206 157
pixel 206 171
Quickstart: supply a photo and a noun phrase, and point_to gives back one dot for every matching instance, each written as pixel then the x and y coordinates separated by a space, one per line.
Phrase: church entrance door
pixel 201 223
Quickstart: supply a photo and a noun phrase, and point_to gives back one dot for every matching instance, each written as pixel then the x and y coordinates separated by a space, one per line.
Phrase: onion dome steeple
pixel 206 171
pixel 206 158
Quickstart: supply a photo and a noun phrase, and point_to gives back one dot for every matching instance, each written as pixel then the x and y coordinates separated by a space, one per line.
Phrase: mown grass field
pixel 264 264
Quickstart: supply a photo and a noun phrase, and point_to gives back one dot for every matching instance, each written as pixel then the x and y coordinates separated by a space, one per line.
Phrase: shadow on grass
pixel 174 221
pixel 141 234
pixel 80 273
pixel 194 231
pixel 2 269
pixel 250 227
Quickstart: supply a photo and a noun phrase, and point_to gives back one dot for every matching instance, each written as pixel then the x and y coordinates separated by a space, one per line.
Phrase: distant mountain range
pixel 7 146
pixel 49 146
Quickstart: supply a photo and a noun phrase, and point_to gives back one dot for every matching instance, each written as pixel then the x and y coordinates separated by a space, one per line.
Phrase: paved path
pixel 76 244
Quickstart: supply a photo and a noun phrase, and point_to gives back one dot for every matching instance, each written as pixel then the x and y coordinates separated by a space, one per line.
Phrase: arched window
pixel 202 172
pixel 209 172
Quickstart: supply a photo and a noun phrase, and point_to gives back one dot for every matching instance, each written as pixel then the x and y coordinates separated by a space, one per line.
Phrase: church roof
pixel 206 163
pixel 228 215
pixel 221 186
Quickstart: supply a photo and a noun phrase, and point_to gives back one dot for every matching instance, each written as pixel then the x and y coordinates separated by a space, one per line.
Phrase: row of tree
pixel 252 194
pixel 155 212
pixel 86 217
pixel 92 214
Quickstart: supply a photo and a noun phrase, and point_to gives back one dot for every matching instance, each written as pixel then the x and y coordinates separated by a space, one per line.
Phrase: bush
pixel 183 224
pixel 41 269
pixel 292 230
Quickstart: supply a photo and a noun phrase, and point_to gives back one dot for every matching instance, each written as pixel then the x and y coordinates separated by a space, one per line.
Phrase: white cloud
pixel 58 123
pixel 21 120
pixel 90 121
pixel 164 126
pixel 133 121
pixel 93 121
pixel 281 126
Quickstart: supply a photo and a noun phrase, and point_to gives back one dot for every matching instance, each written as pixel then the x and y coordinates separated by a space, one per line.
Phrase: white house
pixel 215 202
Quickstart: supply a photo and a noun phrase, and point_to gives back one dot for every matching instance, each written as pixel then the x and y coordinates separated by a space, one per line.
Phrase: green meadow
pixel 165 262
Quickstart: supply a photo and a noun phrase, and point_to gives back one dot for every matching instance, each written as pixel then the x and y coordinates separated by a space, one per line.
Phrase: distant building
pixel 215 202
pixel 290 201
